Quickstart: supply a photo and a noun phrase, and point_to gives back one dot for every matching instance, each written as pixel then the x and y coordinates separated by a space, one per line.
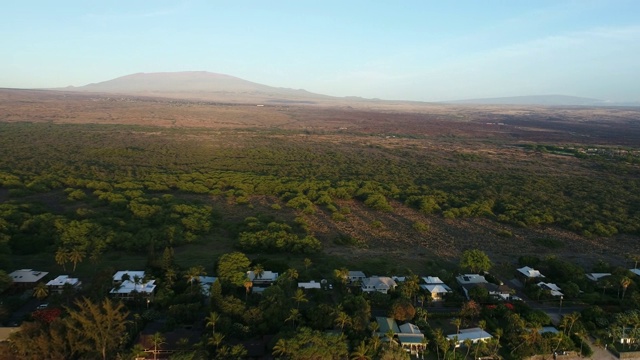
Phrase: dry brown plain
pixel 490 130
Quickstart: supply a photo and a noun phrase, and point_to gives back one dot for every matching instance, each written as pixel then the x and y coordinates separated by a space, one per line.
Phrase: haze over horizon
pixel 422 50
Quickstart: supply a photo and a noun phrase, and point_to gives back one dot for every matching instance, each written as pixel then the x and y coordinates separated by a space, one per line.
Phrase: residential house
pixel 385 324
pixel 436 287
pixel 553 289
pixel 597 276
pixel 381 284
pixel 469 281
pixel 355 276
pixel 473 334
pixel 309 285
pixel 26 278
pixel 407 335
pixel 527 274
pixel 411 338
pixel 129 283
pixel 265 279
pixel 58 284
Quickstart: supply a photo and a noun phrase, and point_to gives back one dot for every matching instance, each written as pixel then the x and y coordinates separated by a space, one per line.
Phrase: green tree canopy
pixel 232 267
pixel 475 260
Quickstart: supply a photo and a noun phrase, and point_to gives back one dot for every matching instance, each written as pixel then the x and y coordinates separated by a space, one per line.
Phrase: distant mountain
pixel 195 84
pixel 557 100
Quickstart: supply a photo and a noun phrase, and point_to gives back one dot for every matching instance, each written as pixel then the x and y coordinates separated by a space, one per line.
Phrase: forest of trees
pixel 77 193
pixel 107 187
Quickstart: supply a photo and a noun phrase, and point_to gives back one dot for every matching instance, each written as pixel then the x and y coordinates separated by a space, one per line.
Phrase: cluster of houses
pixel 529 275
pixel 128 285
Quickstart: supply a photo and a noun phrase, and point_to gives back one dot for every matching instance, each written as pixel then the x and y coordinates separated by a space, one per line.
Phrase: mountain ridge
pixel 204 85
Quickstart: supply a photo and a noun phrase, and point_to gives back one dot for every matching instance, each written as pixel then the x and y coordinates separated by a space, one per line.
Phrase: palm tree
pixel 457 322
pixel 280 348
pixel 157 340
pixel 193 274
pixel 498 335
pixel 170 277
pixel 341 275
pixel 212 320
pixel 307 263
pixel 216 340
pixel 624 282
pixel 299 297
pixel 76 255
pixel 292 274
pixel 360 352
pixel 375 343
pixel 468 344
pixel 62 256
pixel 390 334
pixel 293 316
pixel 342 319
pixel 41 291
pixel 569 320
pixel 248 284
pixel 258 271
pixel 374 327
pixel 412 286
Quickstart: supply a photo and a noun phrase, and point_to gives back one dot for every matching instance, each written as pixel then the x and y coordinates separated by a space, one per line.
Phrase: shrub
pixel 420 226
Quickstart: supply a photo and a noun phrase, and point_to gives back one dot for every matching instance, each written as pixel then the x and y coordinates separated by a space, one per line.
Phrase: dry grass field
pixel 494 133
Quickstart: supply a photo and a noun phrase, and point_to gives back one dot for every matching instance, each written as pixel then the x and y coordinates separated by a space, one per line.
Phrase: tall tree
pixel 101 325
pixel 258 271
pixel 193 275
pixel 62 257
pixel 624 283
pixel 294 315
pixel 299 297
pixel 475 260
pixel 41 291
pixel 342 320
pixel 248 284
pixel 233 268
pixel 157 340
pixel 76 255
pixel 280 348
pixel 212 320
pixel 361 352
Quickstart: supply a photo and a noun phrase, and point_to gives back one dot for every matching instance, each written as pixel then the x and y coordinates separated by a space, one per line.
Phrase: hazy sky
pixel 413 50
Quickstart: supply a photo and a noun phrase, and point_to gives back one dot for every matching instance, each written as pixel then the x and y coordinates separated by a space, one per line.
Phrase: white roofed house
pixel 473 334
pixel 354 276
pixel 411 338
pixel 127 284
pixel 381 284
pixel 436 287
pixel 528 274
pixel 58 284
pixel 26 278
pixel 469 281
pixel 553 289
pixel 266 278
pixel 309 285
pixel 597 276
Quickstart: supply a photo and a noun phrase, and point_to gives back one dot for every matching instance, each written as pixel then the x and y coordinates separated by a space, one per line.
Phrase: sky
pixel 397 50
